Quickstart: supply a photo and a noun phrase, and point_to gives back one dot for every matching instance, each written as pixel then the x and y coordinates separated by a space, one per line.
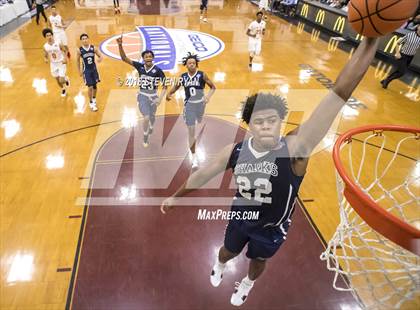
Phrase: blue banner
pixel 158 40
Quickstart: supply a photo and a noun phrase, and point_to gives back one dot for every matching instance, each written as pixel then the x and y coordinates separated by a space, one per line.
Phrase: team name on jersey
pixel 90 54
pixel 264 167
pixel 195 82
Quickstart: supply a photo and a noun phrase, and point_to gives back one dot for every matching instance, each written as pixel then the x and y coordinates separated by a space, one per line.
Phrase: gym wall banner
pixel 336 21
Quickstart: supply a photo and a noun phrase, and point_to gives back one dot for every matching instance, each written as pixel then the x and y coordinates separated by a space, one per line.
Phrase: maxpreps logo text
pixel 168 45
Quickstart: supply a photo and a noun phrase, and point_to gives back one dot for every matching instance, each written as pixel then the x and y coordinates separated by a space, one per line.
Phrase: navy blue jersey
pixel 193 86
pixel 266 183
pixel 149 79
pixel 88 56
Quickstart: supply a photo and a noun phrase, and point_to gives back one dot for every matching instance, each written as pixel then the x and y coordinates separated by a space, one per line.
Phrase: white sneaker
pixel 205 20
pixel 216 275
pixel 241 292
pixel 201 17
pixel 194 161
pixel 93 106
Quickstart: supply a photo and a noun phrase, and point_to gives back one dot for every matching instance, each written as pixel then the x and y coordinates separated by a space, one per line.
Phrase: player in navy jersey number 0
pixel 268 170
pixel 150 77
pixel 88 70
pixel 194 81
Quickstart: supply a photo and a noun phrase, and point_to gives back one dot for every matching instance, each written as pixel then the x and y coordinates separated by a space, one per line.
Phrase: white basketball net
pixel 382 275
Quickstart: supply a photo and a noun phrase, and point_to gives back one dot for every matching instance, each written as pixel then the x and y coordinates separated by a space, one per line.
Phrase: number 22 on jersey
pixel 262 187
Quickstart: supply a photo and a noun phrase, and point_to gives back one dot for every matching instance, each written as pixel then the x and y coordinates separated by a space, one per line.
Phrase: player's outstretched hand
pixel 120 39
pixel 167 205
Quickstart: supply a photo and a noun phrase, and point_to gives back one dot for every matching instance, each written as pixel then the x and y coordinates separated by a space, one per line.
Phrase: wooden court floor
pixel 48 144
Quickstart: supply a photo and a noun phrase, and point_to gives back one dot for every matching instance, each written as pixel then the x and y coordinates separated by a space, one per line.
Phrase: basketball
pixel 375 18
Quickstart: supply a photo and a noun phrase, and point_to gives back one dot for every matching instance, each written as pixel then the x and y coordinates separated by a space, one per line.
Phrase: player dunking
pixel 90 74
pixel 255 32
pixel 269 169
pixel 150 77
pixel 203 10
pixel 194 82
pixel 54 53
pixel 56 22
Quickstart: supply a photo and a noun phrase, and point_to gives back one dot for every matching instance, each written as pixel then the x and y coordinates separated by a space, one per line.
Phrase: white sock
pixel 220 265
pixel 248 281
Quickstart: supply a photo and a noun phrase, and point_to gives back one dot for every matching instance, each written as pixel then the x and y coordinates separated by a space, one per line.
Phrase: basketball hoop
pixel 377 242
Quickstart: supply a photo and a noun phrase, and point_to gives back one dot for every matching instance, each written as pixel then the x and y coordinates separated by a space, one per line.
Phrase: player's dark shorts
pixel 203 4
pixel 147 104
pixel 91 77
pixel 193 112
pixel 262 243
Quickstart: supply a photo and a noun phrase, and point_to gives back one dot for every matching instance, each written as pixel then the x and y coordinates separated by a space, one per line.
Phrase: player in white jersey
pixel 203 10
pixel 255 32
pixel 117 9
pixel 54 53
pixel 264 5
pixel 56 23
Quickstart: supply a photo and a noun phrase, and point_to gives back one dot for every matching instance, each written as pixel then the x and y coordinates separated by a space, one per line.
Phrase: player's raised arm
pixel 121 50
pixel 173 90
pixel 311 132
pixel 211 85
pixel 200 177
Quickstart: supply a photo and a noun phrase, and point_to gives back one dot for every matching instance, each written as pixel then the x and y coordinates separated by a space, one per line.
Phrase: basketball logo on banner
pixel 168 45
